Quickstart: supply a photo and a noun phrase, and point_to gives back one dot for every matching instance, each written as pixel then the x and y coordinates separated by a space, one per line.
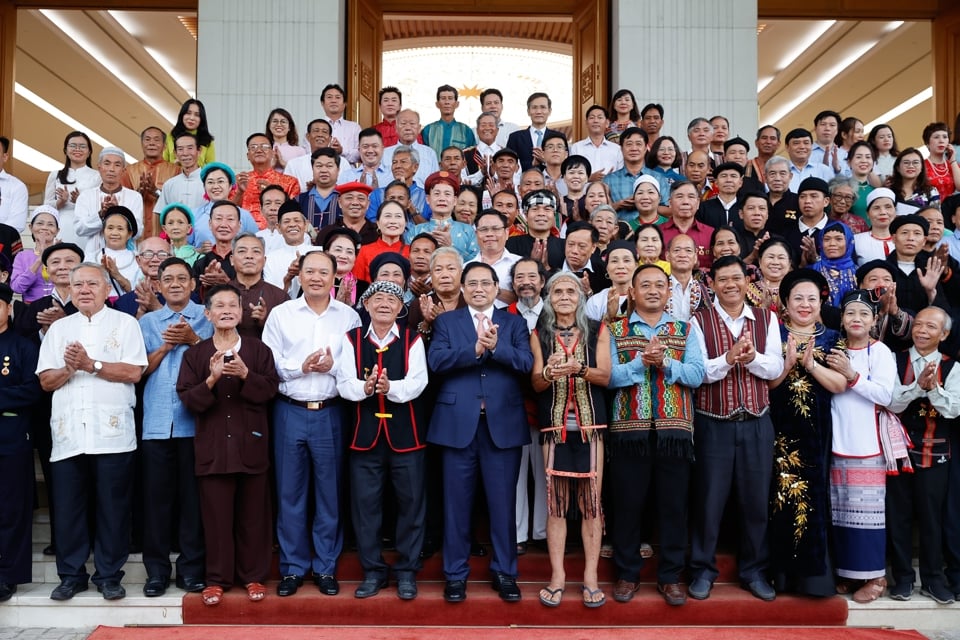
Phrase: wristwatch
pixel 97 367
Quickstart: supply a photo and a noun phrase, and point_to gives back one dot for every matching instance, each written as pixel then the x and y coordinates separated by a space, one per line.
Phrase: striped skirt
pixel 858 488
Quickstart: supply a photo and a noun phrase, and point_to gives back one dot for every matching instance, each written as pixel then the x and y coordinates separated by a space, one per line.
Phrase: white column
pixel 695 58
pixel 254 56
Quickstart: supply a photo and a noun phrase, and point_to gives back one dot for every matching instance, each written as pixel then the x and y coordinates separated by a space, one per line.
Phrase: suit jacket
pixel 465 381
pixel 711 212
pixel 521 142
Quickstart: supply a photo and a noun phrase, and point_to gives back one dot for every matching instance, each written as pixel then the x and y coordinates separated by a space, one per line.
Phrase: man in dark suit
pixel 528 142
pixel 480 354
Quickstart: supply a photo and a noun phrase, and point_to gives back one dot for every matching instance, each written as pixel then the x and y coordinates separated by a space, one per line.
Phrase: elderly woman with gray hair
pixel 571 366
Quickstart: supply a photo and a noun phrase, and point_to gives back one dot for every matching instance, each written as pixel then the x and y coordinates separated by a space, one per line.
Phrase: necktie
pixel 539 137
pixel 480 318
pixel 373 180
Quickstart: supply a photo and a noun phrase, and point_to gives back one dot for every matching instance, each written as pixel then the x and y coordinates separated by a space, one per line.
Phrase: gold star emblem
pixel 470 92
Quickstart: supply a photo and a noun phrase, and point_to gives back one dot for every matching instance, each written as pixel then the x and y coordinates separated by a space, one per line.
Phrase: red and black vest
pixel 928 430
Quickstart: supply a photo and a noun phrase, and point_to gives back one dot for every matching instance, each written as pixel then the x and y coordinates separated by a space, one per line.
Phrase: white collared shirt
pixel 607 157
pixel 819 226
pixel 405 389
pixel 278 262
pixel 680 298
pixel 187 189
pixel 293 331
pixel 92 415
pixel 347 132
pixel 13 201
pixel 945 396
pixel 474 311
pixel 767 365
pixel 530 314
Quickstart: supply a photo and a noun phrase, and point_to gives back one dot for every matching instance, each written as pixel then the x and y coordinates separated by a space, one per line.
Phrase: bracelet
pixel 543 374
pixel 583 370
pixel 424 328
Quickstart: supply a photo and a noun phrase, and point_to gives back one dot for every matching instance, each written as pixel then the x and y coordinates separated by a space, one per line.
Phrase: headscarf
pixel 839 272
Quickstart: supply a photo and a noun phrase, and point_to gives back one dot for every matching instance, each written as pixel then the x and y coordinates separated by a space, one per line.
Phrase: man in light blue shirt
pixel 169 484
pixel 799 146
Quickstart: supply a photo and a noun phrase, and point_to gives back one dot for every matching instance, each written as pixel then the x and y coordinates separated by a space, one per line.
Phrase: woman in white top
pixel 621 262
pixel 859 469
pixel 876 244
pixel 64 185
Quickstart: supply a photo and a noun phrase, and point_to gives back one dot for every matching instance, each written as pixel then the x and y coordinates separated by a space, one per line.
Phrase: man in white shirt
pixel 492 229
pixel 408 128
pixel 13 193
pixel 92 203
pixel 186 186
pixel 491 101
pixel 90 361
pixel 282 262
pixel 308 430
pixel 479 158
pixel 688 294
pixel 345 133
pixel 319 134
pixel 604 156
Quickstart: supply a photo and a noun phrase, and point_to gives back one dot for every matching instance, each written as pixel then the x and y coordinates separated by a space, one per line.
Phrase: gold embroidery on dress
pixel 790 488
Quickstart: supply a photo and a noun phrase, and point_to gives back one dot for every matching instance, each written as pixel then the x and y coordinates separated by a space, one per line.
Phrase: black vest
pixel 928 430
pixel 401 423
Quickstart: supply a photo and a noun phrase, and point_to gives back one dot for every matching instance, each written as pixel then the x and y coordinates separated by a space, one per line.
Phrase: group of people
pixel 266 355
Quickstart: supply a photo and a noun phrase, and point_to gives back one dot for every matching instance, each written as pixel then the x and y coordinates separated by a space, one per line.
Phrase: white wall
pixel 695 57
pixel 253 56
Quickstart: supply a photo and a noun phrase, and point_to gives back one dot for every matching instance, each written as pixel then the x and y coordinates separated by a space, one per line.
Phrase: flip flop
pixel 589 594
pixel 553 593
pixel 212 595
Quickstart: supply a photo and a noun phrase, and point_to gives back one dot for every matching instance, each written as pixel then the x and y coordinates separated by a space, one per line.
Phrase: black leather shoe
pixel 156 586
pixel 191 584
pixel 67 589
pixel 7 591
pixel 506 586
pixel 328 584
pixel 406 588
pixel 370 587
pixel 289 585
pixel 477 549
pixel 49 550
pixel 521 548
pixel 112 590
pixel 761 589
pixel 455 591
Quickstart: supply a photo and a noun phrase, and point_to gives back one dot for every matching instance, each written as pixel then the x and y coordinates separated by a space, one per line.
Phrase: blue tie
pixel 539 137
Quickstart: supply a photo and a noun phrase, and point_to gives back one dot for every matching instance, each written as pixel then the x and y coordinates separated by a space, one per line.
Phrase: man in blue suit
pixel 528 143
pixel 480 354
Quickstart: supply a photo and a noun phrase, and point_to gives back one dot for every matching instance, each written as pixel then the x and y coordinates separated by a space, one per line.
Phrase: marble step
pixel 31 606
pixel 45 567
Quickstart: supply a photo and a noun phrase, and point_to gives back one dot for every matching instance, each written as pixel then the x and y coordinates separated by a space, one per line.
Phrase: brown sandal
pixel 212 595
pixel 256 591
pixel 870 591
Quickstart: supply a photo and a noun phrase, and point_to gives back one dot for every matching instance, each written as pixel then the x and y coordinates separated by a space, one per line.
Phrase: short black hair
pixel 539 94
pixel 798 133
pixel 470 266
pixel 826 113
pixel 491 212
pixel 629 132
pixel 445 88
pixel 385 90
pixel 598 107
pixel 489 92
pixel 580 225
pixel 172 262
pixel 652 105
pixel 328 152
pixel 271 187
pixel 727 261
pixel 255 135
pixel 323 94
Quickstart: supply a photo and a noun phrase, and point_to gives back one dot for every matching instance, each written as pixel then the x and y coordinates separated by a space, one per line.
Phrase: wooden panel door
pixel 365 53
pixel 590 55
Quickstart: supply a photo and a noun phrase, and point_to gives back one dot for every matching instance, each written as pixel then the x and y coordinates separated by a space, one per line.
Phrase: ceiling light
pixel 39 161
pixel 901 108
pixel 815 33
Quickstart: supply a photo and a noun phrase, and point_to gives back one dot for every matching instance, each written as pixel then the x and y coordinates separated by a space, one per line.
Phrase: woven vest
pixel 928 430
pixel 740 390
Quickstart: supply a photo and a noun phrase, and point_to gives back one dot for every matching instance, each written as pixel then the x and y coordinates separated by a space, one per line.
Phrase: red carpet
pixel 729 605
pixel 511 633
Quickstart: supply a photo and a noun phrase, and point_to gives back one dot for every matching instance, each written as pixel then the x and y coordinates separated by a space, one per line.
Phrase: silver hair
pixel 405 148
pixel 774 161
pixel 446 251
pixel 487 114
pixel 603 207
pixel 247 234
pixel 843 181
pixel 91 265
pixel 696 121
pixel 548 317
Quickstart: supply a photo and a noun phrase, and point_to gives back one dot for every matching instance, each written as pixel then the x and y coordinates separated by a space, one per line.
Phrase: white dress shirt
pixel 428 162
pixel 293 331
pixel 530 314
pixel 80 179
pixel 944 397
pixel 680 298
pixel 278 262
pixel 596 306
pixel 183 188
pixel 88 224
pixel 767 365
pixel 13 201
pixel 301 168
pixel 350 385
pixel 607 157
pixel 91 415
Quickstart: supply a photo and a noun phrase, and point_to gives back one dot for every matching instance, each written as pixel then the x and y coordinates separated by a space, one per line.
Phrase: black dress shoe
pixel 49 550
pixel 370 587
pixel 191 584
pixel 506 586
pixel 67 589
pixel 455 591
pixel 112 590
pixel 156 586
pixel 7 591
pixel 406 588
pixel 761 589
pixel 289 585
pixel 521 548
pixel 328 584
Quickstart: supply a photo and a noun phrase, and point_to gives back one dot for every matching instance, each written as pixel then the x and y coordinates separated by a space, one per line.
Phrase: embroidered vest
pixel 740 390
pixel 400 423
pixel 928 430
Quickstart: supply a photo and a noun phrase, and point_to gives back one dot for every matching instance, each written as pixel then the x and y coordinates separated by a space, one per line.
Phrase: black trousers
pixel 171 507
pixel 108 477
pixel 732 454
pixel 951 516
pixel 370 471
pixel 917 497
pixel 16 517
pixel 632 478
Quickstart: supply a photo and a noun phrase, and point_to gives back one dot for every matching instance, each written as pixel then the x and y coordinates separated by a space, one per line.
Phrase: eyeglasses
pixel 77 147
pixel 150 255
pixel 478 284
pixel 843 198
pixel 265 146
pixel 912 163
pixel 486 230
pixel 554 147
pixel 279 121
